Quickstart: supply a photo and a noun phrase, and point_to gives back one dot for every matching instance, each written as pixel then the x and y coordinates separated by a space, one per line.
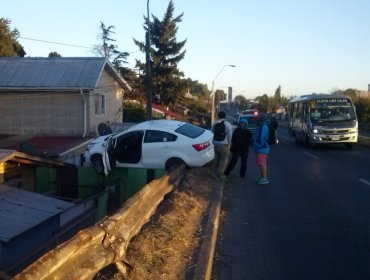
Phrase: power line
pixel 63 44
pixel 56 43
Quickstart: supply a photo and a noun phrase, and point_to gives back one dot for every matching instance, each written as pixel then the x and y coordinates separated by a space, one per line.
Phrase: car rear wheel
pixel 97 163
pixel 173 163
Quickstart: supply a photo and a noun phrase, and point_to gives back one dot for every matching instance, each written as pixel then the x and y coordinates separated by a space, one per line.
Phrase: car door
pixel 108 155
pixel 157 148
pixel 127 149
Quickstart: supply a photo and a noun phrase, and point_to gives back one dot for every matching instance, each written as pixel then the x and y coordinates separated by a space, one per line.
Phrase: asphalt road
pixel 311 222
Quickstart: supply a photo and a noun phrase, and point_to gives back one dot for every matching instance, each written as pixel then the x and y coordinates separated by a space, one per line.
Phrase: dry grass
pixel 167 246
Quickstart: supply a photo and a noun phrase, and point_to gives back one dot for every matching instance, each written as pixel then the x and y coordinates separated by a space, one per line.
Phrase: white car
pixel 155 144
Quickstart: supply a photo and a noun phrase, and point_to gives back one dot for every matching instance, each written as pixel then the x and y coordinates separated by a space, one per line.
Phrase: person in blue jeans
pixel 261 148
pixel 240 142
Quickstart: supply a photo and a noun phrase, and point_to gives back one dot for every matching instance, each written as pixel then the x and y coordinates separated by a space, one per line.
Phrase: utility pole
pixel 149 172
pixel 148 70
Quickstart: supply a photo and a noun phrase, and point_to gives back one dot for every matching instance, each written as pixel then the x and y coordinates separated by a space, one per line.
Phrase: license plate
pixel 335 138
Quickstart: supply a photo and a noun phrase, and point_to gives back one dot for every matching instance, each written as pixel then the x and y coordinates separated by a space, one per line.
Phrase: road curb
pixel 203 269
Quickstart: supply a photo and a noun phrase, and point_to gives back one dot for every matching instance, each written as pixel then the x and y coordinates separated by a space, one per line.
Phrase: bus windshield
pixel 331 110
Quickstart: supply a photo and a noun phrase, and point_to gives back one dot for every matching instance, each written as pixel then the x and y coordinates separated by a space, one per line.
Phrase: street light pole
pixel 213 94
pixel 148 70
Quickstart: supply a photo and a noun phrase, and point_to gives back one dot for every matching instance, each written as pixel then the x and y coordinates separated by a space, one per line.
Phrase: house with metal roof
pixel 59 96
pixel 31 223
pixel 50 108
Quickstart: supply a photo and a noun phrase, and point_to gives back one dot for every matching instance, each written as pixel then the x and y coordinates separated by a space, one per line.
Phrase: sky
pixel 304 46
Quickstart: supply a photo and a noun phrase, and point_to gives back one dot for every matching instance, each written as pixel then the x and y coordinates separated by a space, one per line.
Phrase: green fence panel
pixel 89 182
pixel 45 180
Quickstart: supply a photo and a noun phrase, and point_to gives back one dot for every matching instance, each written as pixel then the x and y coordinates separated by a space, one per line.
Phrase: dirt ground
pixel 168 245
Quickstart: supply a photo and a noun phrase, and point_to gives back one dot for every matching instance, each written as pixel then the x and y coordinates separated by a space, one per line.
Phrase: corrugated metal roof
pixel 6 154
pixel 54 73
pixel 21 210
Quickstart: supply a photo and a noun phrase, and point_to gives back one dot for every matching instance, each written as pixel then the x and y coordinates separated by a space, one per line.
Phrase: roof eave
pixel 123 83
pixel 46 89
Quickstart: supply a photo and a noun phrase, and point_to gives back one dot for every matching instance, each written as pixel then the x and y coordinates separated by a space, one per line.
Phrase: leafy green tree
pixel 273 105
pixel 241 101
pixel 133 112
pixel 108 49
pixel 263 103
pixel 54 54
pixel 165 54
pixel 9 45
pixel 351 93
pixel 363 109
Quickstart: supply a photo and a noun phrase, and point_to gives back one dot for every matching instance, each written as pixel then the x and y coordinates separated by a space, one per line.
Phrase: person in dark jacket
pixel 240 142
pixel 274 123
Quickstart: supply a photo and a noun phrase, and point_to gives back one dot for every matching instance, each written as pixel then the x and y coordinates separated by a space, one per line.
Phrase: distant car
pixel 155 144
pixel 251 116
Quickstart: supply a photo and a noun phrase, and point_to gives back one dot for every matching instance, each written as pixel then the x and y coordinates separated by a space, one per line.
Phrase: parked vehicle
pixel 322 119
pixel 155 144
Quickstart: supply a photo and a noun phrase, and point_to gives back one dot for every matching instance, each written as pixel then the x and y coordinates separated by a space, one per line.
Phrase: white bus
pixel 323 118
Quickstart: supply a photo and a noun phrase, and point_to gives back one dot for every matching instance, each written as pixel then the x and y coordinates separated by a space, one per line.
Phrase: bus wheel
pixel 296 140
pixel 349 146
pixel 309 142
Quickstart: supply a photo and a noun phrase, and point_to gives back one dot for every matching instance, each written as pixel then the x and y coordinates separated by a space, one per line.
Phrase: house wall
pixel 49 113
pixel 113 107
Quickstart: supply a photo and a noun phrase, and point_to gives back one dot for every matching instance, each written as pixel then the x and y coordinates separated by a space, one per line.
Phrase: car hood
pixel 101 139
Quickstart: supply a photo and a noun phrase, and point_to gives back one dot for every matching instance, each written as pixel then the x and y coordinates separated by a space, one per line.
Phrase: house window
pixel 100 104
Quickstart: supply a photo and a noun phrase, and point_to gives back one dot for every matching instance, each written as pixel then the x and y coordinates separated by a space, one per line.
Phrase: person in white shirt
pixel 222 131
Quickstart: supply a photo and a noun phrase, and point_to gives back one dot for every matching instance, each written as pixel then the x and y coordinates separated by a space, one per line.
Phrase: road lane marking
pixel 364 181
pixel 310 155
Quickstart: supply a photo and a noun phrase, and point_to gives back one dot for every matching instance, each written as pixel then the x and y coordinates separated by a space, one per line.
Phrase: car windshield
pixel 190 130
pixel 252 119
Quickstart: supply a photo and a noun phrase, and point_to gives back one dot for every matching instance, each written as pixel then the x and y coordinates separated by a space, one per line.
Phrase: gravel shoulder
pixel 168 246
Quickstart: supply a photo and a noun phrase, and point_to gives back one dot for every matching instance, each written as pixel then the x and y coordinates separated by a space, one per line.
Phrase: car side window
pixel 155 136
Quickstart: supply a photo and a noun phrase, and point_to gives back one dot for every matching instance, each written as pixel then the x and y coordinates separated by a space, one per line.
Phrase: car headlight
pixel 315 131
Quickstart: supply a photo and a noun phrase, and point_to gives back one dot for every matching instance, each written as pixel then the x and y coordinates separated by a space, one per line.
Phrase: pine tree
pixel 165 54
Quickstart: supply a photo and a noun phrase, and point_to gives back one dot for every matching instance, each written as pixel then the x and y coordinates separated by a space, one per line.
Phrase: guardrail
pixel 106 242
